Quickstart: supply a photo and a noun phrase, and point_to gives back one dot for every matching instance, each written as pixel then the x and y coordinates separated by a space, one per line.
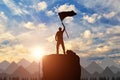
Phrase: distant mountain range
pixel 4 65
pixel 9 68
pixel 23 62
pixel 94 72
pixel 21 72
pixel 106 70
pixel 33 67
pixel 107 62
pixel 25 68
pixel 94 67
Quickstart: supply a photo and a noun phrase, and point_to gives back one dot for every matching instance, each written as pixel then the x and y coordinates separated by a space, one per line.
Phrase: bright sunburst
pixel 37 52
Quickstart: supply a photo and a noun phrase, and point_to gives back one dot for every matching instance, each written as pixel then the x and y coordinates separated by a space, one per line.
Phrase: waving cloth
pixel 63 15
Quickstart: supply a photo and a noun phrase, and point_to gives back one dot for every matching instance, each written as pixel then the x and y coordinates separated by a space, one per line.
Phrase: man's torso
pixel 60 36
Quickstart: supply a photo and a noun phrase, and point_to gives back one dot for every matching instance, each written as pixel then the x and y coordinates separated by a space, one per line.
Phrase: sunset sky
pixel 26 25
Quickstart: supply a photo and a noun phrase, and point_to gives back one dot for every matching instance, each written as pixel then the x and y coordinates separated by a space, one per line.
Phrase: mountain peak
pixel 11 68
pixel 94 63
pixel 20 69
pixel 95 74
pixel 5 61
pixel 94 67
pixel 84 73
pixel 13 62
pixel 4 64
pixel 23 62
pixel 21 72
pixel 107 72
pixel 114 69
pixel 33 67
pixel 108 62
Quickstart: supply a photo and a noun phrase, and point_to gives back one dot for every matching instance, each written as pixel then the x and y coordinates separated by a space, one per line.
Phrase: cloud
pixel 2 28
pixel 14 8
pixel 111 41
pixel 42 26
pixel 14 52
pixel 31 38
pixel 104 6
pixel 50 13
pixel 33 26
pixel 3 18
pixel 115 5
pixel 2 15
pixel 118 61
pixel 68 19
pixel 113 37
pixel 92 4
pixel 29 25
pixel 99 51
pixel 41 6
pixel 66 7
pixel 109 15
pixel 6 36
pixel 85 46
pixel 82 43
pixel 51 38
pixel 19 48
pixel 113 30
pixel 87 34
pixel 102 49
pixel 91 19
pixel 10 45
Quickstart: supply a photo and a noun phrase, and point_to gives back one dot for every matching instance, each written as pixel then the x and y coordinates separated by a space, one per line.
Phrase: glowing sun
pixel 37 52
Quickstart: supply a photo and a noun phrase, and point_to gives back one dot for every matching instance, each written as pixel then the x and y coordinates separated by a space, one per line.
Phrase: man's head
pixel 60 29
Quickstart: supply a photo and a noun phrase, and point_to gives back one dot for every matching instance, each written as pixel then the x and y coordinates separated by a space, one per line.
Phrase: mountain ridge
pixel 11 68
pixel 94 67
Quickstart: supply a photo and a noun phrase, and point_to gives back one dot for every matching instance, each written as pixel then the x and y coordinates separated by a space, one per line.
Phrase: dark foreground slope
pixel 61 67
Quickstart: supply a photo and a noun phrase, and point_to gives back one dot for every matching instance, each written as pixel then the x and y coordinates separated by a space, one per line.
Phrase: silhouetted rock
pixel 70 52
pixel 61 67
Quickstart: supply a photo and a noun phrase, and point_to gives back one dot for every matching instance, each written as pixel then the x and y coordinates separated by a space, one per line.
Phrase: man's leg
pixel 63 47
pixel 57 48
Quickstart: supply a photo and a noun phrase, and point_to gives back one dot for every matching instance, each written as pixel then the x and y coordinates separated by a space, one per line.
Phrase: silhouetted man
pixel 59 39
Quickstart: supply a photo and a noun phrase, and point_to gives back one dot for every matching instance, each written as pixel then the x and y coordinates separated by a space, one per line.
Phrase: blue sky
pixel 26 24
